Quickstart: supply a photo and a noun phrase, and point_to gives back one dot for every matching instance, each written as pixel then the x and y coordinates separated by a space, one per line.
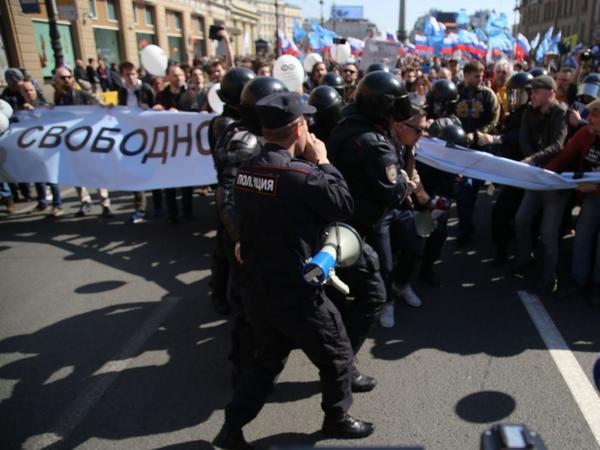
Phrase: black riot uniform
pixel 239 142
pixel 329 104
pixel 441 108
pixel 364 277
pixel 361 147
pixel 508 202
pixel 283 204
pixel 231 88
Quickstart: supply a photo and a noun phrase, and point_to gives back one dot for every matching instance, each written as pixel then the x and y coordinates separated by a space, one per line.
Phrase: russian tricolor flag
pixel 422 45
pixel 522 47
pixel 449 44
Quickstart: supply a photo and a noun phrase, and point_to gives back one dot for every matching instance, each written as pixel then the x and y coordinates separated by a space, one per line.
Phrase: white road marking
pixel 578 383
pixel 93 392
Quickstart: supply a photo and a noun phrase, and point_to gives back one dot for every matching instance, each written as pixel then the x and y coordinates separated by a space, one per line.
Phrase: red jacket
pixel 573 154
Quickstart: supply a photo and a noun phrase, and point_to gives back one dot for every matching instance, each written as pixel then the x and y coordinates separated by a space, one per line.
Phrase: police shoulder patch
pixel 392 173
pixel 263 184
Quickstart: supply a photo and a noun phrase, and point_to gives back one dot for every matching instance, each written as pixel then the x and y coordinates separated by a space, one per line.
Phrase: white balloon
pixel 310 60
pixel 6 109
pixel 3 123
pixel 215 103
pixel 289 71
pixel 154 60
pixel 341 53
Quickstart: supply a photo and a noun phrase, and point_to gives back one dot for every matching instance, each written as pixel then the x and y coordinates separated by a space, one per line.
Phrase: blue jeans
pixel 40 188
pixel 5 191
pixel 552 204
pixel 586 255
pixel 397 231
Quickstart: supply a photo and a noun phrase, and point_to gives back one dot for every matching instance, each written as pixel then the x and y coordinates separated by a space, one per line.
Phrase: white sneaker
pixel 409 296
pixel 386 317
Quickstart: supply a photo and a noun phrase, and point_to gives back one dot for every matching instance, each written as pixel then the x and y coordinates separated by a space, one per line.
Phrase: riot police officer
pixel 506 144
pixel 376 67
pixel 364 278
pixel 285 196
pixel 441 109
pixel 361 147
pixel 334 80
pixel 238 143
pixel 328 103
pixel 231 87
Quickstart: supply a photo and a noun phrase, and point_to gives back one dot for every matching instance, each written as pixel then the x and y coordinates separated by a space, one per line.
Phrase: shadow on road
pixel 176 380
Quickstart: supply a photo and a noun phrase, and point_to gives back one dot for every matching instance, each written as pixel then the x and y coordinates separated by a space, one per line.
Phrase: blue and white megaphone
pixel 342 247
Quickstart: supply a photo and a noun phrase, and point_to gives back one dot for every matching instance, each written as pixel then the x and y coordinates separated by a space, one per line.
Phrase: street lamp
pixel 322 20
pixel 54 34
pixel 276 28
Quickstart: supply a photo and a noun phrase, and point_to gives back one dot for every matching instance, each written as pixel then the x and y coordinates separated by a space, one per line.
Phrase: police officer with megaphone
pixel 285 196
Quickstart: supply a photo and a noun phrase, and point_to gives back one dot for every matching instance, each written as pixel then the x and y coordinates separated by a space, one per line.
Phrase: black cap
pixel 543 82
pixel 278 110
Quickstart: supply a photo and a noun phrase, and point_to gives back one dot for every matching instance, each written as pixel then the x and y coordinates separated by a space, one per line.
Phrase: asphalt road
pixel 108 340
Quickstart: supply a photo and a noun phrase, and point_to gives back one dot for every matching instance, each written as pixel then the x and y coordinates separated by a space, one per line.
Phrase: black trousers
pixel 503 215
pixel 283 318
pixel 242 339
pixel 186 198
pixel 367 289
pixel 219 268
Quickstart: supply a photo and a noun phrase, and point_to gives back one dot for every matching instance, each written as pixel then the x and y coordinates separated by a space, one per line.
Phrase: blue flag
pixel 299 33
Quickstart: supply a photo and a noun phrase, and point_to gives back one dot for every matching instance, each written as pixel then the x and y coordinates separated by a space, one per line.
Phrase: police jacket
pixel 218 125
pixel 236 146
pixel 542 135
pixel 478 109
pixel 364 154
pixel 283 205
pixel 510 147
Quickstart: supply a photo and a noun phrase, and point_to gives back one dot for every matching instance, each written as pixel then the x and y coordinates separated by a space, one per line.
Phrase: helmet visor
pixel 517 97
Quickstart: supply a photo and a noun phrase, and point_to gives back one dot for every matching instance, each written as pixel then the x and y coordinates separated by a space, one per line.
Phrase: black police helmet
pixel 325 97
pixel 253 91
pixel 520 80
pixel 538 71
pixel 377 66
pixel 232 84
pixel 334 80
pixel 444 90
pixel 454 135
pixel 382 97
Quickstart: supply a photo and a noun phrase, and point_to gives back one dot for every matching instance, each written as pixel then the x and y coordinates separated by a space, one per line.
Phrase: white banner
pixel 485 166
pixel 102 147
pixel 383 52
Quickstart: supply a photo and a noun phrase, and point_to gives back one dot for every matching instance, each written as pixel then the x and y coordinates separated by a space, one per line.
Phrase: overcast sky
pixel 385 12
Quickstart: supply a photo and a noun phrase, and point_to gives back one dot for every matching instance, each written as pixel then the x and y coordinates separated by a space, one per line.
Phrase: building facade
pixel 117 30
pixel 580 17
pixel 271 10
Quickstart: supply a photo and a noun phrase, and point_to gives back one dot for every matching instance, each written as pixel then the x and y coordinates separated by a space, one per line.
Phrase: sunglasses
pixel 418 129
pixel 66 77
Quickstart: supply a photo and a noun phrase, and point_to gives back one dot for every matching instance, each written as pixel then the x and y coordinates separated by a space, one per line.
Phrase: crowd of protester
pixel 546 116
